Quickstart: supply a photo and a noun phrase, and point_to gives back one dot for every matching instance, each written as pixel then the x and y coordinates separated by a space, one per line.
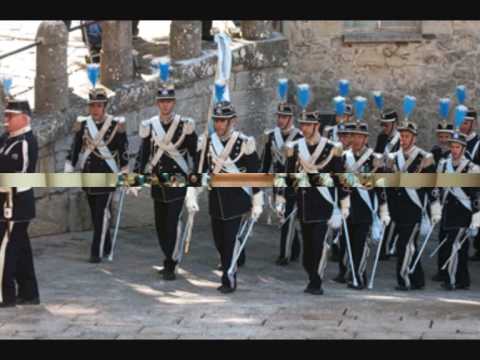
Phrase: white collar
pixel 20 132
pixel 361 152
pixel 409 152
pixel 471 136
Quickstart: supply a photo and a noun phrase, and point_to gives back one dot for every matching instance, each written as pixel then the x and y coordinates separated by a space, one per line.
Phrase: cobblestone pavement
pixel 128 299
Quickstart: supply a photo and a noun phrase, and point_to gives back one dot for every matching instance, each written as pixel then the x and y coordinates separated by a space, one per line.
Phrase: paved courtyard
pixel 128 299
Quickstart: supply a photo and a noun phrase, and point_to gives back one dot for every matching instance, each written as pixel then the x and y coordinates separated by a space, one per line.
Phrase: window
pixel 382 31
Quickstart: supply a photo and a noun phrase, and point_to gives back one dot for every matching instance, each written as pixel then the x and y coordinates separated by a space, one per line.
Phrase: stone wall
pixel 446 55
pixel 256 67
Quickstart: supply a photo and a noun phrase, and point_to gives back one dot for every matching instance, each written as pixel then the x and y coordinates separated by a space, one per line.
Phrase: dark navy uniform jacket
pixel 19 154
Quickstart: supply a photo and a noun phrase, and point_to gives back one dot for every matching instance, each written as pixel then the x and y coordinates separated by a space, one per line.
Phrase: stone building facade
pixel 426 59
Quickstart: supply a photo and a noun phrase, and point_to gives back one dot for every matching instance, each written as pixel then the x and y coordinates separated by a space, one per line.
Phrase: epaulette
pixel 144 129
pixel 188 125
pixel 79 122
pixel 337 148
pixel 427 159
pixel 121 123
pixel 378 160
pixel 249 145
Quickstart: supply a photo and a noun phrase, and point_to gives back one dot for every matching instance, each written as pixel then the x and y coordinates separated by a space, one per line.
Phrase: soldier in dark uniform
pixel 368 207
pixel 472 152
pixel 388 141
pixel 461 210
pixel 441 151
pixel 337 133
pixel 411 205
pixel 168 140
pixel 229 151
pixel 18 154
pixel 99 145
pixel 274 154
pixel 318 207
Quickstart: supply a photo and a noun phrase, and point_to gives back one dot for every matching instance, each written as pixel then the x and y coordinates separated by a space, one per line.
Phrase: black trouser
pixel 462 276
pixel 98 205
pixel 295 245
pixel 167 216
pixel 313 241
pixel 358 237
pixel 342 254
pixel 18 264
pixel 417 278
pixel 225 234
pixel 443 254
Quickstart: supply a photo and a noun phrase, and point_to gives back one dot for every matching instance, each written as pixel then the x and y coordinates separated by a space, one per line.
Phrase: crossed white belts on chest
pixel 223 160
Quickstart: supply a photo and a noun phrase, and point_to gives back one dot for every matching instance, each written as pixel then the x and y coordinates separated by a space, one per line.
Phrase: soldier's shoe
pixel 462 287
pixel 94 259
pixel 402 288
pixel 281 261
pixel 227 289
pixel 438 277
pixel 5 304
pixel 355 287
pixel 447 286
pixel 169 275
pixel 314 291
pixel 340 278
pixel 417 287
pixel 34 301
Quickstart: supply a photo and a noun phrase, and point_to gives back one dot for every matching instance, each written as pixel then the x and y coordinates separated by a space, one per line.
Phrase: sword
pixel 438 247
pixel 429 234
pixel 117 223
pixel 105 224
pixel 377 257
pixel 349 250
pixel 188 231
pixel 461 244
pixel 290 234
pixel 236 254
pixel 389 236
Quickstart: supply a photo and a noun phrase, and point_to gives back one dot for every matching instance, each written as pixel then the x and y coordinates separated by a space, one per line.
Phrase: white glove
pixel 345 207
pixel 385 214
pixel 191 200
pixel 280 205
pixel 436 211
pixel 475 224
pixel 257 205
pixel 68 167
pixel 335 222
pixel 133 191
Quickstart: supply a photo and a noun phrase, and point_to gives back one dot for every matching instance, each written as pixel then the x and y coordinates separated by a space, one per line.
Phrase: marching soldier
pixel 99 145
pixel 231 209
pixel 411 203
pixel 460 215
pixel 339 131
pixel 368 207
pixel 274 154
pixel 441 151
pixel 472 152
pixel 168 141
pixel 318 206
pixel 18 154
pixel 388 141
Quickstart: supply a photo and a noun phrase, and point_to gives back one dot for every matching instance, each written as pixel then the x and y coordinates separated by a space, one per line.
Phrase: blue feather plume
pixel 303 95
pixel 379 102
pixel 461 93
pixel 460 112
pixel 360 105
pixel 444 108
pixel 7 85
pixel 219 90
pixel 343 88
pixel 282 89
pixel 409 103
pixel 164 69
pixel 93 72
pixel 339 105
